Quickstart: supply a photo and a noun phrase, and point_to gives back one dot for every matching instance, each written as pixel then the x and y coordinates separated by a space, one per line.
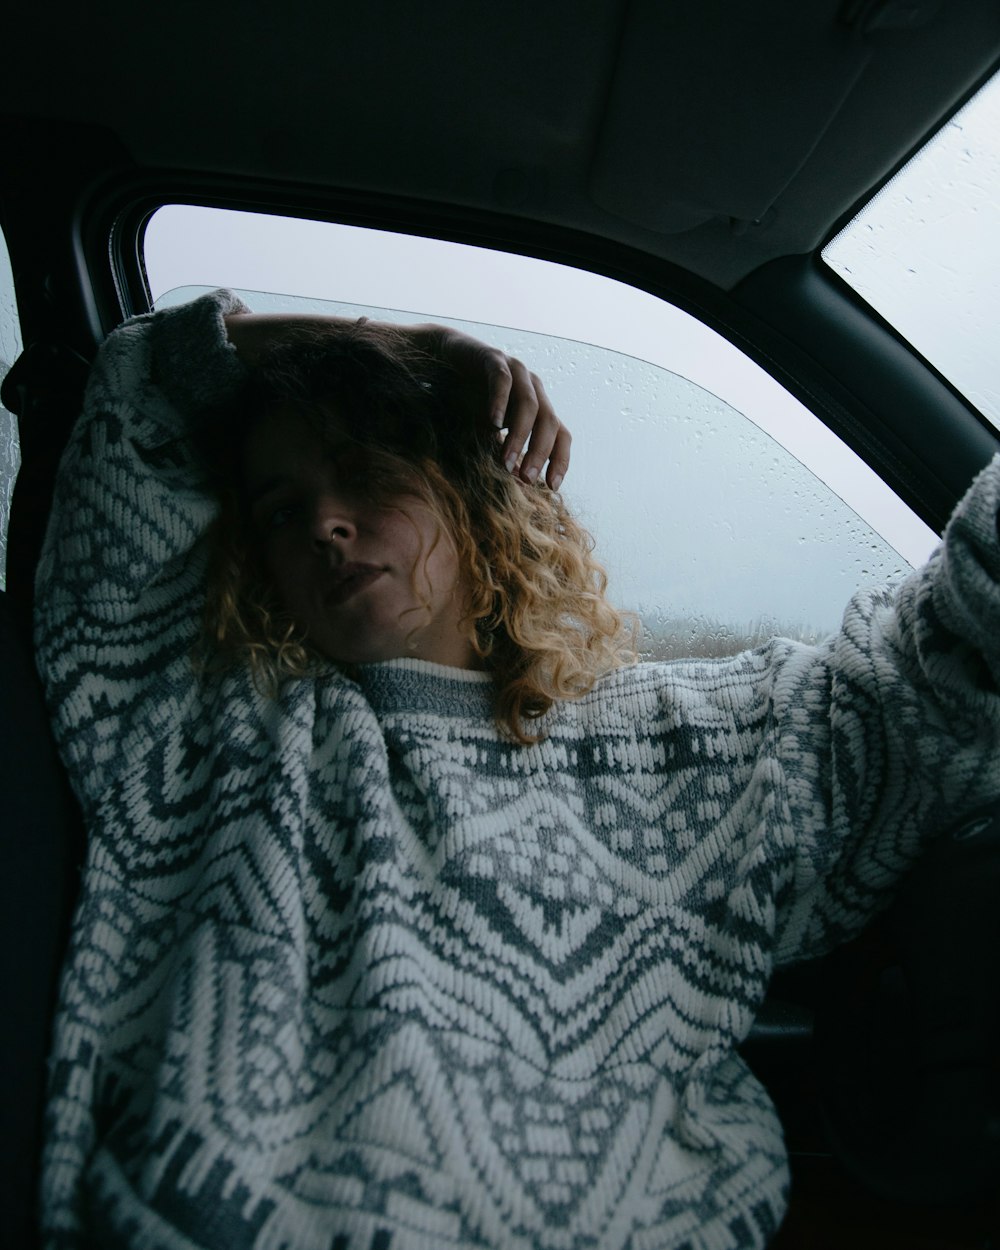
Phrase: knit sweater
pixel 351 970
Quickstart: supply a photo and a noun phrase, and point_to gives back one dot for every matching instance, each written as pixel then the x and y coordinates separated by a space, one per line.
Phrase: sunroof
pixel 925 251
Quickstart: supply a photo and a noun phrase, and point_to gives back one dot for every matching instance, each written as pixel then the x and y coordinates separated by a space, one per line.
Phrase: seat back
pixel 908 1051
pixel 42 845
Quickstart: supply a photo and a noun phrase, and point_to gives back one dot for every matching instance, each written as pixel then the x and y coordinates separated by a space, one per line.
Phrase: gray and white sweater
pixel 351 972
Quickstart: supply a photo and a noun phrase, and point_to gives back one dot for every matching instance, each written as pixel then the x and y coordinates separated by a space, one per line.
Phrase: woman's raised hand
pixel 515 401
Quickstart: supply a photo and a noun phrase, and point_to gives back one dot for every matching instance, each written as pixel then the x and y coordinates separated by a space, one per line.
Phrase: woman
pixel 366 517
pixel 446 936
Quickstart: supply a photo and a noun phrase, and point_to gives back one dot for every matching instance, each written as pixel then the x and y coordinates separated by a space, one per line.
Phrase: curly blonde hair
pixel 536 611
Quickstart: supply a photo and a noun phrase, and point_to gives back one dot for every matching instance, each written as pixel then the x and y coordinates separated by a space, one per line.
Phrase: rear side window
pixel 723 510
pixel 10 349
pixel 925 251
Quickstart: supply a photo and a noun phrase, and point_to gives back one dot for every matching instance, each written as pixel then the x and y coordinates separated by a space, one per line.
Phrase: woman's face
pixel 366 581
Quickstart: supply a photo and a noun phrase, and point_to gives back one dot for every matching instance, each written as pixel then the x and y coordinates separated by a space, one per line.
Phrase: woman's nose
pixel 331 520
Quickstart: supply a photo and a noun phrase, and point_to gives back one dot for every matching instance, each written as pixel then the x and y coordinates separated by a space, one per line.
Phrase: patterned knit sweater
pixel 352 972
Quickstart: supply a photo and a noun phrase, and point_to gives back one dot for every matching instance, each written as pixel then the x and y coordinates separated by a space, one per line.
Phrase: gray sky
pixel 696 510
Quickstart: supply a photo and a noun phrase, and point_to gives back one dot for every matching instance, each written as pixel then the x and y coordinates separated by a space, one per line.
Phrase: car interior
pixel 702 152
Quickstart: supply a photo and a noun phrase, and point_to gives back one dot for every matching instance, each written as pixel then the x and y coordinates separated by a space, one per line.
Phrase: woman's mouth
pixel 349 580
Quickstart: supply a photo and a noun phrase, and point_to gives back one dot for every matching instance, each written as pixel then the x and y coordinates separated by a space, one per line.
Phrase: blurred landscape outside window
pixel 724 511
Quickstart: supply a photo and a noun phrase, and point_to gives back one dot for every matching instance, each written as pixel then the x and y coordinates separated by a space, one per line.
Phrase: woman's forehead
pixel 286 430
pixel 286 444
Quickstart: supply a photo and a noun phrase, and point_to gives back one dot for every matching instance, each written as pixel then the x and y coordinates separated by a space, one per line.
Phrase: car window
pixel 925 251
pixel 10 349
pixel 701 479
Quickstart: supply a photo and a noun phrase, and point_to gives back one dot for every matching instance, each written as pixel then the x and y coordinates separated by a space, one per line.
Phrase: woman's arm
pixel 890 732
pixel 121 579
pixel 509 394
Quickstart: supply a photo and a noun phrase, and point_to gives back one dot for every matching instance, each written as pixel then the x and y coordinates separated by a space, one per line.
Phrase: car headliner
pixel 716 135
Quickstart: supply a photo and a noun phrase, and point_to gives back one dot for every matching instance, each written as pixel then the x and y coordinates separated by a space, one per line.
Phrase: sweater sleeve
pixel 120 581
pixel 890 732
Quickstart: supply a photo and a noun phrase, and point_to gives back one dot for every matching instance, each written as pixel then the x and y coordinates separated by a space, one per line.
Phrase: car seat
pixel 908 1046
pixel 42 850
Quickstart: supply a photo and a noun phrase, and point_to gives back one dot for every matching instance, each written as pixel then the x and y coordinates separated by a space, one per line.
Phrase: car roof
pixel 716 136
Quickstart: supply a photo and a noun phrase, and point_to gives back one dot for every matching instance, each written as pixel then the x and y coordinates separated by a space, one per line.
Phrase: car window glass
pixel 10 349
pixel 712 526
pixel 924 251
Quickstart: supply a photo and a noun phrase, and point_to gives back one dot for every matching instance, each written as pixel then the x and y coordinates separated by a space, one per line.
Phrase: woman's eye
pixel 281 516
pixel 276 516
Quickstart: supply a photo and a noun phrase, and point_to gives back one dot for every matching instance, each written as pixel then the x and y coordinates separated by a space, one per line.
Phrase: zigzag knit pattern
pixel 352 972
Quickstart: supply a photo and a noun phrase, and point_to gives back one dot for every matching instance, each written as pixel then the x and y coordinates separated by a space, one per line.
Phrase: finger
pixel 499 384
pixel 522 413
pixel 548 438
pixel 559 458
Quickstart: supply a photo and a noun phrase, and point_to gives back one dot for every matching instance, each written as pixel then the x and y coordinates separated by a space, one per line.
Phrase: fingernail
pixel 530 474
pixel 511 461
pixel 498 419
pixel 556 482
